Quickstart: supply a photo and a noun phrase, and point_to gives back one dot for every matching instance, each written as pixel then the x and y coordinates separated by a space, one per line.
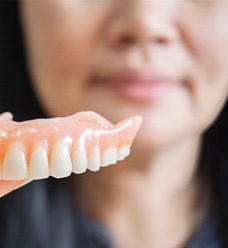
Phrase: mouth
pixel 138 86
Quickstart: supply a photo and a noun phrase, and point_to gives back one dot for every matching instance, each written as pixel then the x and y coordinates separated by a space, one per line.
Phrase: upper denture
pixel 57 146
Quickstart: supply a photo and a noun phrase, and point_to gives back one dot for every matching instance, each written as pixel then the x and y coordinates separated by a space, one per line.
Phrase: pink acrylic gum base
pixel 83 128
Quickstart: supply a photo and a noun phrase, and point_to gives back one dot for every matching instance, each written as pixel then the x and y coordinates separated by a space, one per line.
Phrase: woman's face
pixel 164 60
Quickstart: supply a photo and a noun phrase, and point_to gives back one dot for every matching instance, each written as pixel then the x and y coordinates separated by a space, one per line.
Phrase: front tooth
pixel 109 157
pixel 94 159
pixel 38 167
pixel 14 165
pixel 123 152
pixel 79 159
pixel 60 164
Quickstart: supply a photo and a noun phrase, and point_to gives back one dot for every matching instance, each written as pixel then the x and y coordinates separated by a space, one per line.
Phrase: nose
pixel 137 24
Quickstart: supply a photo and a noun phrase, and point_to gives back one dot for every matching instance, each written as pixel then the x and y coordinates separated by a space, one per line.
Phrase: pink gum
pixel 86 128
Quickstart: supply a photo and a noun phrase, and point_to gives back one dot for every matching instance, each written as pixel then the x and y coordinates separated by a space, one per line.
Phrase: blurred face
pixel 164 60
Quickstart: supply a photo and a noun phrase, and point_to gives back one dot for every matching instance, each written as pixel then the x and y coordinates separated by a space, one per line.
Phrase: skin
pixel 154 192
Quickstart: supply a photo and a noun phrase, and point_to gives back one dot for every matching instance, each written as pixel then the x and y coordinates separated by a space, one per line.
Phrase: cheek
pixel 58 70
pixel 210 100
pixel 59 51
pixel 61 36
pixel 61 54
pixel 209 86
pixel 63 58
pixel 209 76
pixel 213 91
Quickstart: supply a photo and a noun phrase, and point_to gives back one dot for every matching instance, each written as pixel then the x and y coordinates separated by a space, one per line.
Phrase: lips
pixel 143 86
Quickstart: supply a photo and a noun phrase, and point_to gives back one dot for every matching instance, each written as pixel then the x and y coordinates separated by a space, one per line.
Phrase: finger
pixel 9 186
pixel 7 115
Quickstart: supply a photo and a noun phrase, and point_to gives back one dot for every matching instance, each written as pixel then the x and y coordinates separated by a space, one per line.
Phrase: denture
pixel 56 147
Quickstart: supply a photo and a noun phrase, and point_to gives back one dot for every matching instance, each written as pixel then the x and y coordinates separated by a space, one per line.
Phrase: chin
pixel 146 140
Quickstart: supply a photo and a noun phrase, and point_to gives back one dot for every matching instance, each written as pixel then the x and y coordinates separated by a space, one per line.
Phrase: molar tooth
pixel 94 159
pixel 39 167
pixel 79 159
pixel 123 152
pixel 109 157
pixel 60 164
pixel 14 165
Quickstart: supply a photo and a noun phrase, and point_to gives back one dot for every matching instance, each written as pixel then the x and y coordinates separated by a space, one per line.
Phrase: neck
pixel 153 197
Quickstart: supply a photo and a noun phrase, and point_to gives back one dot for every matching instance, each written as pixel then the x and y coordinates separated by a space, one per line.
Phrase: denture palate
pixel 56 147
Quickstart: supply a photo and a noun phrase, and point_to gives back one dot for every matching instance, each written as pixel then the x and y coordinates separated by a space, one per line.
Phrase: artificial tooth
pixel 38 167
pixel 79 160
pixel 109 157
pixel 14 165
pixel 60 164
pixel 94 159
pixel 123 152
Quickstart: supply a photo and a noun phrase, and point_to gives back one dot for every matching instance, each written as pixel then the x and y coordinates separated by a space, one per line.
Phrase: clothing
pixel 92 235
pixel 207 236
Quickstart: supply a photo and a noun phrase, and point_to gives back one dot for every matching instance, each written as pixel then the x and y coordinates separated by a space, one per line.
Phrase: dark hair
pixel 40 214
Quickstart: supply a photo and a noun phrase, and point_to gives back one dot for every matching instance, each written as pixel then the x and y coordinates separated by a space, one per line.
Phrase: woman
pixel 158 59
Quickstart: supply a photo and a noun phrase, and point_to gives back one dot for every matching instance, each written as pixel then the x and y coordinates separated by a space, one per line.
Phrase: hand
pixel 8 186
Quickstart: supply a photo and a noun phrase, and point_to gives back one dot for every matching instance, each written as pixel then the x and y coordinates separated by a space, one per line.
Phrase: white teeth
pixel 109 157
pixel 94 159
pixel 79 160
pixel 123 152
pixel 38 167
pixel 60 164
pixel 14 165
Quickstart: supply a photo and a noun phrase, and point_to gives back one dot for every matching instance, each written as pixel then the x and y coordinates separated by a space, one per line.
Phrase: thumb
pixel 8 186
